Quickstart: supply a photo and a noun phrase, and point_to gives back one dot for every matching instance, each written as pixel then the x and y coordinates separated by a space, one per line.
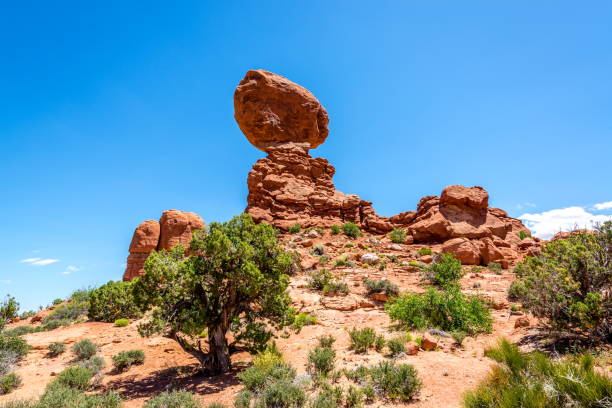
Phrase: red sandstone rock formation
pixel 174 227
pixel 271 111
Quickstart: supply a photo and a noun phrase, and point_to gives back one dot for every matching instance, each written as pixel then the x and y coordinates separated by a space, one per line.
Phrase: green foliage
pixel 335 229
pixel 57 301
pixel 326 282
pixel 321 360
pixel 354 397
pixel 71 310
pixel 569 283
pixel 9 382
pixel 56 348
pixel 536 381
pixel 112 301
pixel 336 287
pixel 522 234
pixel 495 267
pixel 381 286
pixel 122 322
pixel 424 251
pixel 445 271
pixel 379 343
pixel 318 249
pixel 396 346
pixel 61 396
pixel 77 377
pixel 351 230
pixel 20 331
pixel 256 377
pixel 234 280
pixel 447 310
pixel 368 393
pixel 398 235
pixel 303 319
pixel 13 344
pixel 95 364
pixel 396 381
pixel 125 359
pixel 458 336
pixel 173 399
pixel 270 387
pixel 362 339
pixel 294 229
pixel 282 394
pixel 8 310
pixel 84 349
pixel 327 340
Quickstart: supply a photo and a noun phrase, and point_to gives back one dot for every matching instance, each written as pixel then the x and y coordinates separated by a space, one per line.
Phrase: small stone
pixel 429 342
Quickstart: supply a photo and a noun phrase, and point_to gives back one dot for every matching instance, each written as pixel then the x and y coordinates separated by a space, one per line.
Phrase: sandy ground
pixel 446 373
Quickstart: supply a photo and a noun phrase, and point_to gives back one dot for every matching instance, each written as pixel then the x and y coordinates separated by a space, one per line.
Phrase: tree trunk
pixel 217 359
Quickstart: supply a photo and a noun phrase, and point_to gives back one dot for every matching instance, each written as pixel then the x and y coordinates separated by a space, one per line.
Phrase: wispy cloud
pixel 70 268
pixel 39 261
pixel 603 206
pixel 546 224
pixel 520 206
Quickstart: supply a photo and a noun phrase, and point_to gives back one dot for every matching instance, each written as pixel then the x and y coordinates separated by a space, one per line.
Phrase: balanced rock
pixel 271 111
pixel 174 227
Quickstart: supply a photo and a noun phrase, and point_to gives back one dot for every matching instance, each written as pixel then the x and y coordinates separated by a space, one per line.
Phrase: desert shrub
pixel 57 301
pixel 444 271
pixel 282 394
pixel 294 229
pixel 303 319
pixel 8 360
pixel 447 310
pixel 77 377
pixel 424 251
pixel 349 245
pixel 14 344
pixel 327 340
pixel 325 400
pixel 71 310
pixel 495 267
pixel 569 283
pixel 381 286
pixel 351 230
pixel 122 322
pixel 112 301
pixel 396 346
pixel 321 360
pixel 84 349
pixel 396 381
pixel 379 343
pixel 354 397
pixel 335 229
pixel 173 399
pixel 393 258
pixel 266 358
pixel 19 404
pixel 522 234
pixel 320 278
pixel 20 331
pixel 126 359
pixel 56 348
pixel 95 364
pixel 271 387
pixel 215 405
pixel 362 339
pixel 54 324
pixel 255 377
pixel 398 235
pixel 60 396
pixel 458 336
pixel 8 309
pixel 27 314
pixel 323 260
pixel 534 381
pixel 318 249
pixel 9 382
pixel 336 287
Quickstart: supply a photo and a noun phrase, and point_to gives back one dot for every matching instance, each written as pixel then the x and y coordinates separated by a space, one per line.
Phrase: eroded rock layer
pixel 174 227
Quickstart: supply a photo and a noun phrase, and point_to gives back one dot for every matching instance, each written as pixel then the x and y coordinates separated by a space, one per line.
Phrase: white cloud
pixel 548 223
pixel 39 261
pixel 603 206
pixel 70 269
pixel 520 206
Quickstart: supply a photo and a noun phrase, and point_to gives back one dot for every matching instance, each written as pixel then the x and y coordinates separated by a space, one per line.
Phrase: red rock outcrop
pixel 272 111
pixel 174 227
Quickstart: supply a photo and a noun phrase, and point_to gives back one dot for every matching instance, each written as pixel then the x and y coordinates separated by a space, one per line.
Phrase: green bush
pixel 396 346
pixel 351 230
pixel 57 301
pixel 303 319
pixel 398 235
pixel 294 229
pixel 256 377
pixel 536 381
pixel 8 309
pixel 73 309
pixel 320 278
pixel 354 397
pixel 424 251
pixel 125 359
pixel 362 339
pixel 282 394
pixel 77 377
pixel 335 229
pixel 396 381
pixel 84 349
pixel 379 343
pixel 495 267
pixel 54 324
pixel 173 399
pixel 112 301
pixel 61 396
pixel 56 348
pixel 327 340
pixel 20 331
pixel 569 283
pixel 444 271
pixel 94 364
pixel 122 322
pixel 15 345
pixel 447 310
pixel 368 393
pixel 522 234
pixel 9 382
pixel 336 287
pixel 321 360
pixel 381 286
pixel 318 249
pixel 458 336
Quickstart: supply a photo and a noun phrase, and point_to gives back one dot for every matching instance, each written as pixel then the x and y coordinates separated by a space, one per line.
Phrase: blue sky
pixel 111 112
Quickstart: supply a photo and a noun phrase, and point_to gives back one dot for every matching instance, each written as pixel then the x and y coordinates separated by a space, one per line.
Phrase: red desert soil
pixel 446 372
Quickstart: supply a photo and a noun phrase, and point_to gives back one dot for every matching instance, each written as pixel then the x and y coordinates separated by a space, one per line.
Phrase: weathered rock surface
pixel 271 111
pixel 174 227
